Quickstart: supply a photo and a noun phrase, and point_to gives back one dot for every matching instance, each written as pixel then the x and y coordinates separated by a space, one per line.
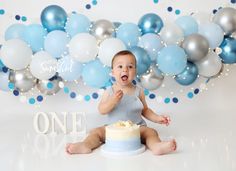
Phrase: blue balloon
pixel 53 17
pixel 95 74
pixel 4 81
pixel 77 23
pixel 34 35
pixel 117 24
pixel 15 31
pixel 228 54
pixel 56 43
pixel 142 58
pixel 189 75
pixel 150 23
pixel 129 33
pixel 69 69
pixel 188 24
pixel 152 43
pixel 1 65
pixel 172 60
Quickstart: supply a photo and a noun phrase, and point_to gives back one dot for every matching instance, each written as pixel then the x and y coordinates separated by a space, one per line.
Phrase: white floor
pixel 206 142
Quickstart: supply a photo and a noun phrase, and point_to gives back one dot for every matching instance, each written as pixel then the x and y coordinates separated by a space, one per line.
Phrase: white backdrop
pixel 221 92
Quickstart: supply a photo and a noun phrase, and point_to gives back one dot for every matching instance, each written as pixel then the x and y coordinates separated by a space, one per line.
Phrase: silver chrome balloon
pixel 196 47
pixel 49 87
pixel 152 79
pixel 102 29
pixel 22 79
pixel 226 19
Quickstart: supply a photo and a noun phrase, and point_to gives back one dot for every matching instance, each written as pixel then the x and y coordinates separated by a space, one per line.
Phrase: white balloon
pixel 43 66
pixel 171 33
pixel 210 65
pixel 83 47
pixel 108 48
pixel 15 54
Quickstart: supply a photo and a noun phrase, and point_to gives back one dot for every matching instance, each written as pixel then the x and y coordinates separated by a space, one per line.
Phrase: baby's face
pixel 124 69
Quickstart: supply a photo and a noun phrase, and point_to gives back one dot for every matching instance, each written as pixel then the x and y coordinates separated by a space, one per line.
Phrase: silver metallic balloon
pixel 22 79
pixel 226 18
pixel 233 35
pixel 196 47
pixel 210 65
pixel 102 29
pixel 49 87
pixel 152 79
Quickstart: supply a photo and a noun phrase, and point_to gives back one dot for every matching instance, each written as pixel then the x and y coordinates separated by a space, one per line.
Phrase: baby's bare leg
pixel 94 140
pixel 150 137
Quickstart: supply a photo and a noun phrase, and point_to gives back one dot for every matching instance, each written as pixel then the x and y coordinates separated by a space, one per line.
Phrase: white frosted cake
pixel 122 136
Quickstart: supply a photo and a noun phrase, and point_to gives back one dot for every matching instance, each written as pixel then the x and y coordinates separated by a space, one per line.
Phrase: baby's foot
pixel 164 147
pixel 77 148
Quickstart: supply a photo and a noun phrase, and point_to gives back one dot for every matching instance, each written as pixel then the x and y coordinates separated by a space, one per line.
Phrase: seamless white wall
pixel 221 96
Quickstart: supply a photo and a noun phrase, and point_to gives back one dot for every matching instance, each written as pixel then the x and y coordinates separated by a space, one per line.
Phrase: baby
pixel 125 101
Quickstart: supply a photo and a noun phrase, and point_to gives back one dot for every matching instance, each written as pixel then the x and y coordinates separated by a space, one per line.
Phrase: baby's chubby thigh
pixel 99 131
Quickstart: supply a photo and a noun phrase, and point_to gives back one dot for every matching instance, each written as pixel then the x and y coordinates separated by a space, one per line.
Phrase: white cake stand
pixel 125 153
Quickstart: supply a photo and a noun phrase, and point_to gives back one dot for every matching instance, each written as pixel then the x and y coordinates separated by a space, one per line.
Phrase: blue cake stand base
pixel 124 153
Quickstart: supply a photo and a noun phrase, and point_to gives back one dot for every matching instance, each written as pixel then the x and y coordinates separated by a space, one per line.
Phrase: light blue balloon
pixel 152 43
pixel 213 33
pixel 150 23
pixel 188 24
pixel 69 69
pixel 129 33
pixel 56 43
pixel 4 81
pixel 172 60
pixel 15 31
pixel 188 76
pixel 95 74
pixel 77 23
pixel 53 17
pixel 228 54
pixel 142 58
pixel 34 35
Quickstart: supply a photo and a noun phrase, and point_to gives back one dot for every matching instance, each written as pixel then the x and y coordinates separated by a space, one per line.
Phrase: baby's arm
pixel 108 102
pixel 150 115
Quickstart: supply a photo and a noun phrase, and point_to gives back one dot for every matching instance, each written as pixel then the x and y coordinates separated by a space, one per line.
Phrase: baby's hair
pixel 121 53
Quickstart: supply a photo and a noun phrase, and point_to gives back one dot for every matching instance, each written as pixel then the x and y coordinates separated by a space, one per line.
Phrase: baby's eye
pixel 119 66
pixel 130 67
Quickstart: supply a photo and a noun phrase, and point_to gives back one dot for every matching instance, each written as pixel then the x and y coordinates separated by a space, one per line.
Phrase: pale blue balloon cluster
pixel 151 42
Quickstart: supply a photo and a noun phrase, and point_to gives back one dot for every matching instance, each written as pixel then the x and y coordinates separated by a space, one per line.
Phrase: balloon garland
pixel 66 47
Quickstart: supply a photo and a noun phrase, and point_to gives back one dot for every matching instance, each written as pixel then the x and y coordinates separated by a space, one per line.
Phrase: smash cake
pixel 122 138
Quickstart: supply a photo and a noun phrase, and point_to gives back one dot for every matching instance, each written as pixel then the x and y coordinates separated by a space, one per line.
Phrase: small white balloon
pixel 43 66
pixel 108 48
pixel 210 65
pixel 171 33
pixel 16 54
pixel 83 47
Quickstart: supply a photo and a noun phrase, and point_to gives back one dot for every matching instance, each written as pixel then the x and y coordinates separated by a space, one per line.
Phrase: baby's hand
pixel 163 119
pixel 118 95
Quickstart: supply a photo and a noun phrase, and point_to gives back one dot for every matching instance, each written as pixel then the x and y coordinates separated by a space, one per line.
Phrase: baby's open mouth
pixel 124 77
